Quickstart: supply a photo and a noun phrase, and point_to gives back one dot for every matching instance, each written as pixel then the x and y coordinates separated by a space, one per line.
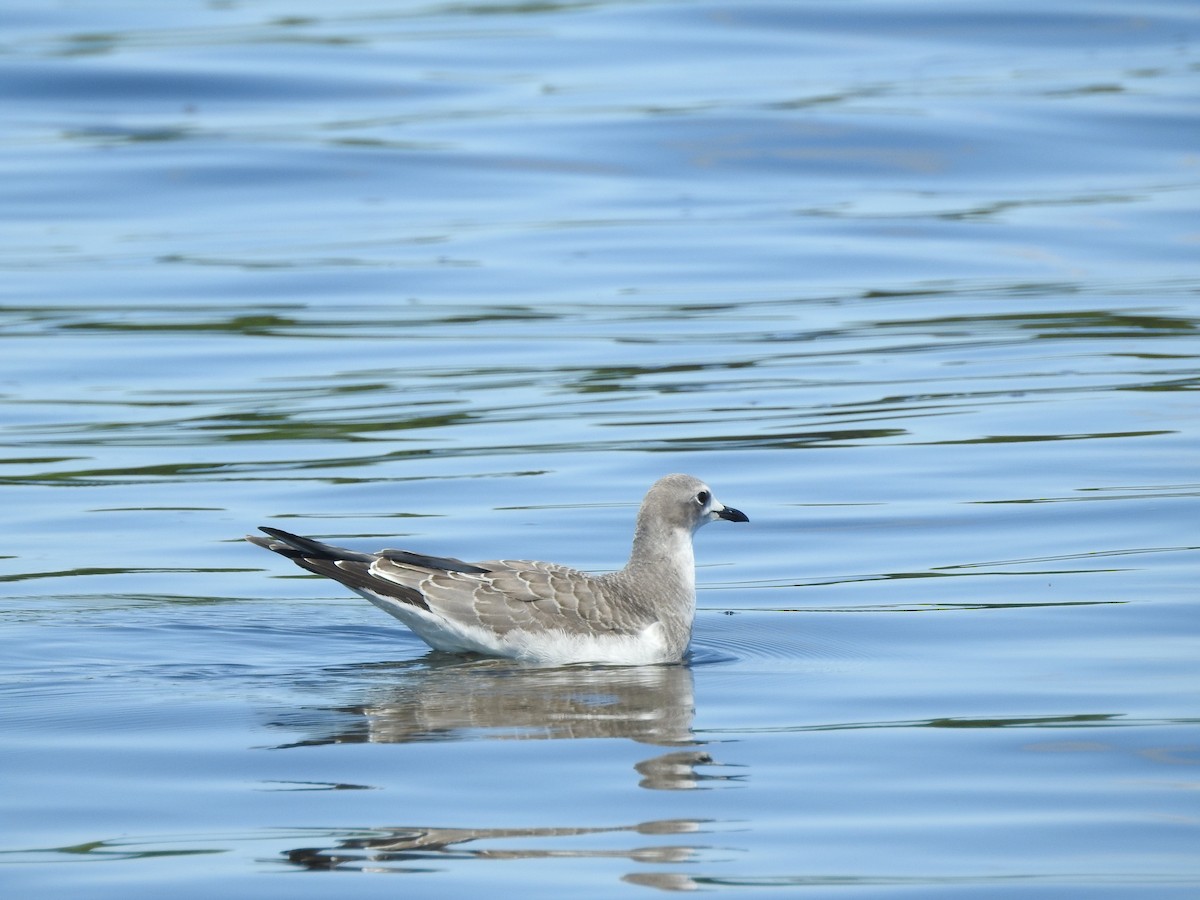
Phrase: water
pixel 914 285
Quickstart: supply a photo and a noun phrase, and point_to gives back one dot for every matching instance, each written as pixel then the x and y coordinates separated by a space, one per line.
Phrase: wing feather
pixel 518 595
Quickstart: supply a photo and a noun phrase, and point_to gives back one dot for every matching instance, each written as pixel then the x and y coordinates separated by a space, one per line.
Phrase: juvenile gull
pixel 538 611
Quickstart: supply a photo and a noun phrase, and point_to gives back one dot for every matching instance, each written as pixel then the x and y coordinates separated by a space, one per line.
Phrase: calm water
pixel 915 285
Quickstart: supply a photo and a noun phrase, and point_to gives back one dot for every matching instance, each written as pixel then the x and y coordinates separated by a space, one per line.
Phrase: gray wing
pixel 497 595
pixel 521 594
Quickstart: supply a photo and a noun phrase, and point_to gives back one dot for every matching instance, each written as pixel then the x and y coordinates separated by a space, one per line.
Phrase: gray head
pixel 685 502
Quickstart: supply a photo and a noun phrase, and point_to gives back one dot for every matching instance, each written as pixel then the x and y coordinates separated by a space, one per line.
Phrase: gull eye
pixel 703 497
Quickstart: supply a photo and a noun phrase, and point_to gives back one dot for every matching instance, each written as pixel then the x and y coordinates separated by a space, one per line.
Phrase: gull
pixel 540 612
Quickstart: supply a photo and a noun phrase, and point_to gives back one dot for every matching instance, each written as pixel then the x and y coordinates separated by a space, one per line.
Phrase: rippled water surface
pixel 912 284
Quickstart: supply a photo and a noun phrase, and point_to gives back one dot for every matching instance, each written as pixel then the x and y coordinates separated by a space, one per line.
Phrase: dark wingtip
pixel 277 541
pixel 295 547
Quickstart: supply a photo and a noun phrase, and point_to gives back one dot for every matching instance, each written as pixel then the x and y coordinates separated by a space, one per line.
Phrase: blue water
pixel 914 285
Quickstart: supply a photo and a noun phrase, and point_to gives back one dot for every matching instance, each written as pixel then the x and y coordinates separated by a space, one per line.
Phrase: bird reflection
pixel 650 704
pixel 447 699
pixel 420 849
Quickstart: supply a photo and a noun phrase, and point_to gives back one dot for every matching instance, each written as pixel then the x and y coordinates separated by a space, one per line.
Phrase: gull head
pixel 686 502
